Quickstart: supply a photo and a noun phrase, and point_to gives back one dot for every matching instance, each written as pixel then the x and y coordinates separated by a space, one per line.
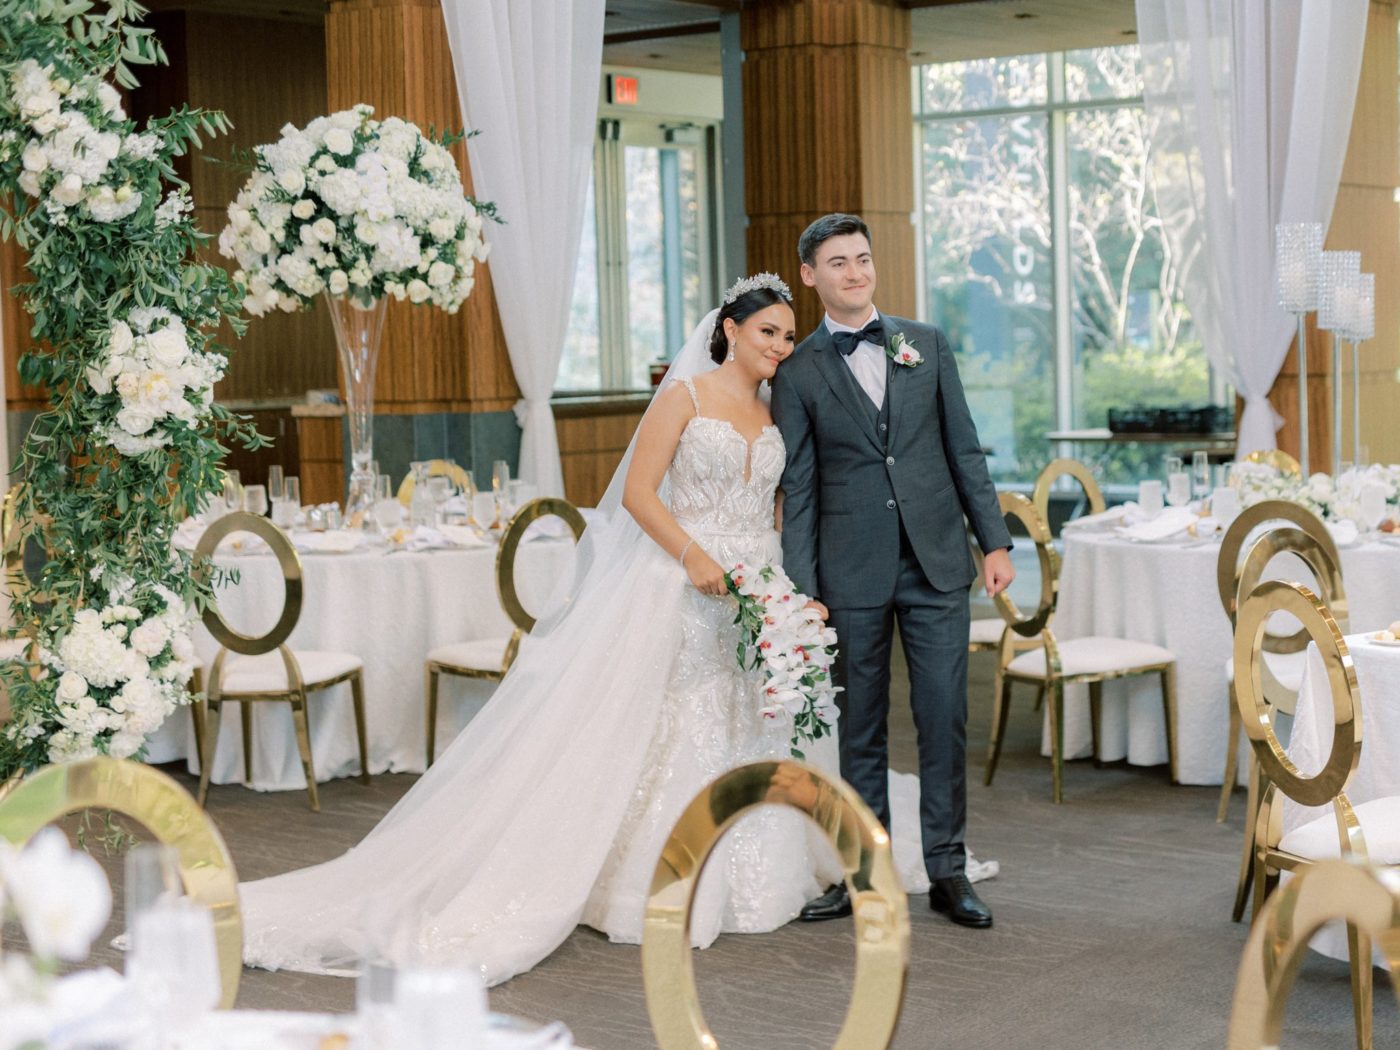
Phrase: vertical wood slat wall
pixel 394 55
pixel 1366 219
pixel 829 126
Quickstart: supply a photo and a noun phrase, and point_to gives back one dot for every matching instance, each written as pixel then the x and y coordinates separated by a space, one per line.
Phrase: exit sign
pixel 622 91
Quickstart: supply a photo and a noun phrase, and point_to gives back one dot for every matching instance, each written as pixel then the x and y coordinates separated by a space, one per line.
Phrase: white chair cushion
pixel 1093 656
pixel 484 654
pixel 267 673
pixel 1380 823
pixel 986 632
pixel 1286 667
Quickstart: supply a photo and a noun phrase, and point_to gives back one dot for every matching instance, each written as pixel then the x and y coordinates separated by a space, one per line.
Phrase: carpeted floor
pixel 1112 924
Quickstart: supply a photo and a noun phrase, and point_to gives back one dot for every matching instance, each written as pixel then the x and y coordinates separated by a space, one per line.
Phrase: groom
pixel 883 462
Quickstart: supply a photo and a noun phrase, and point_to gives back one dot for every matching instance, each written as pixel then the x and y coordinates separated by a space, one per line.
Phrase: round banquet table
pixel 388 608
pixel 1165 593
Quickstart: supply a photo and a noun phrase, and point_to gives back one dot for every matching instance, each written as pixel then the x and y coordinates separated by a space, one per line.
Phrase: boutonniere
pixel 902 352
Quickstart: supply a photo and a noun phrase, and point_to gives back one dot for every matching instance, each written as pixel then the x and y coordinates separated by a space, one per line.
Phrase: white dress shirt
pixel 867 361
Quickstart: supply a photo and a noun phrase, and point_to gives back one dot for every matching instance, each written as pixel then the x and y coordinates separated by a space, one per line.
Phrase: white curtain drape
pixel 527 76
pixel 1252 104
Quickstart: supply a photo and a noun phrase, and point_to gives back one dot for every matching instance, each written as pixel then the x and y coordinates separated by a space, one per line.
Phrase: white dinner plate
pixel 1382 641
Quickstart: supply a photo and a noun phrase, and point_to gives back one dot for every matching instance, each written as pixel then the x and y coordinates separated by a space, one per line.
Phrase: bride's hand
pixel 821 609
pixel 705 573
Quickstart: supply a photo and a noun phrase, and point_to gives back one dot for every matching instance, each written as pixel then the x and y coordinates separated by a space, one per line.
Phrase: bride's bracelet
pixel 684 551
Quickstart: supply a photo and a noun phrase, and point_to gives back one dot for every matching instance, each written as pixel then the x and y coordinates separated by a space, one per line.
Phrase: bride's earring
pixel 731 351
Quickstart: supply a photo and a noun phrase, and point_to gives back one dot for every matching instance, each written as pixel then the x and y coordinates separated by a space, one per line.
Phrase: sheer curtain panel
pixel 527 74
pixel 1252 104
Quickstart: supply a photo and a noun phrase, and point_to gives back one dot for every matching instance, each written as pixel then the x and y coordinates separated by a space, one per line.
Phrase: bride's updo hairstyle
pixel 745 298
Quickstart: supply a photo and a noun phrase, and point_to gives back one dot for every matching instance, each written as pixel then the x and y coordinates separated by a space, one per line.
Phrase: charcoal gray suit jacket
pixel 847 486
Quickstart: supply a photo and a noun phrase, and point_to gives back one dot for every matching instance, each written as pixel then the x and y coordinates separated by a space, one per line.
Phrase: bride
pixel 552 806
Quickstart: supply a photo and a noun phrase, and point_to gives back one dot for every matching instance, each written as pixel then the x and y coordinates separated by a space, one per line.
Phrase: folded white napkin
pixel 1165 525
pixel 337 541
pixel 1124 514
pixel 1344 532
pixel 547 529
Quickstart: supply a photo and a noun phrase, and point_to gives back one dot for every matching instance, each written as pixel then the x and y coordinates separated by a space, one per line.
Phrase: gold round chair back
pixel 520 522
pixel 880 904
pixel 1014 505
pixel 287 559
pixel 166 809
pixel 1276 458
pixel 1061 468
pixel 1258 714
pixel 1349 889
pixel 437 468
pixel 1316 547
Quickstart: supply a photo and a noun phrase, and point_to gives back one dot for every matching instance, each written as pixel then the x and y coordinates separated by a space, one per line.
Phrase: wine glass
pixel 1200 475
pixel 484 509
pixel 174 963
pixel 1178 488
pixel 152 875
pixel 276 483
pixel 233 491
pixel 500 476
pixel 440 489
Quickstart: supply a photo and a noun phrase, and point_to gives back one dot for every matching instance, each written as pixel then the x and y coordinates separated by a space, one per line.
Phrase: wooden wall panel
pixel 1366 219
pixel 394 56
pixel 828 126
pixel 591 447
pixel 322 459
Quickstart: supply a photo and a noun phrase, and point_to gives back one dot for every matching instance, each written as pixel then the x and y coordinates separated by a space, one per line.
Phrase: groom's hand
pixel 821 609
pixel 997 571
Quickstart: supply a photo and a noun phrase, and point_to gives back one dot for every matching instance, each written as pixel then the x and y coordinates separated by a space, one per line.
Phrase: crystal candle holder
pixel 1338 271
pixel 1298 258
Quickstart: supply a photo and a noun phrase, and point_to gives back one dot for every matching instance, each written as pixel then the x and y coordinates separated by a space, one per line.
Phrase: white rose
pixel 167 346
pixel 339 282
pixel 304 208
pixel 442 228
pixel 259 240
pixel 36 158
pixel 72 686
pixel 324 230
pixel 292 180
pixel 418 291
pixel 440 274
pixel 69 191
pixel 29 183
pixel 339 140
pixel 127 385
pixel 119 340
pixel 135 421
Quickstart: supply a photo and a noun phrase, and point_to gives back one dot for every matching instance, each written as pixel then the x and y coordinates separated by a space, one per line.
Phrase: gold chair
pixel 1371 830
pixel 437 468
pixel 1367 897
pixel 1303 535
pixel 879 903
pixel 161 805
pixel 1066 468
pixel 1276 458
pixel 265 669
pixel 1053 665
pixel 490 658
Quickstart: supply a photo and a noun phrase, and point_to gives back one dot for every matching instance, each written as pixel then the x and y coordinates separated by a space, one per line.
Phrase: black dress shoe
pixel 955 898
pixel 835 903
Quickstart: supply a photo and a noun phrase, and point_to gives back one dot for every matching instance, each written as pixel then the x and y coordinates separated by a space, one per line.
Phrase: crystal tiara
pixel 744 285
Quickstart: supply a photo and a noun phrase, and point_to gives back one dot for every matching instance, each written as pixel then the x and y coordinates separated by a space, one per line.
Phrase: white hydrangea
pixel 353 205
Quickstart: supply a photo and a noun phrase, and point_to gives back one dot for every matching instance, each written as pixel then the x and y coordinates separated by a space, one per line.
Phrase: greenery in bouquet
pixel 123 321
pixel 793 648
pixel 356 207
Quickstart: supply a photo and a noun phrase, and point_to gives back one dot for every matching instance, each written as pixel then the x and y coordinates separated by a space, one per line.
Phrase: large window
pixel 1043 255
pixel 646 259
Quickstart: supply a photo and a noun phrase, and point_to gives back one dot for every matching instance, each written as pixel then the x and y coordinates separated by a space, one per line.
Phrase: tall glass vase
pixel 357 332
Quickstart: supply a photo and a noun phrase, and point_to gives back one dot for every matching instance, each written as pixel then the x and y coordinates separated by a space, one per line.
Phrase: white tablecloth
pixel 390 609
pixel 1166 594
pixel 1378 773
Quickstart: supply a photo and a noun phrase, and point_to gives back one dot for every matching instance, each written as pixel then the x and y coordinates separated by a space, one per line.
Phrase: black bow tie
pixel 847 342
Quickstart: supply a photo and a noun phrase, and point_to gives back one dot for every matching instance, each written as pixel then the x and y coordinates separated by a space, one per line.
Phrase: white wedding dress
pixel 552 806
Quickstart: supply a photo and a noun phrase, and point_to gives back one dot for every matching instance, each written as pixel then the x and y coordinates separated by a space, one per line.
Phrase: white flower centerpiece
pixel 357 210
pixel 792 645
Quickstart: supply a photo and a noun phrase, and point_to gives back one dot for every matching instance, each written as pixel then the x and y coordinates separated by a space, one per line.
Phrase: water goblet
pixel 1200 475
pixel 255 499
pixel 152 876
pixel 174 964
pixel 291 493
pixel 1178 489
pixel 484 509
pixel 440 490
pixel 1150 496
pixel 1174 465
pixel 500 475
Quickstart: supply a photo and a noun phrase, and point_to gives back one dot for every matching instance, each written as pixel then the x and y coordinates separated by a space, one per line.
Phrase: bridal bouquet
pixel 357 207
pixel 792 645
